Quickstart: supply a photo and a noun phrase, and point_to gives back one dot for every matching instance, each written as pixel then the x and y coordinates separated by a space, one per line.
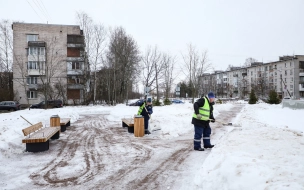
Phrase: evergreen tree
pixel 273 98
pixel 252 99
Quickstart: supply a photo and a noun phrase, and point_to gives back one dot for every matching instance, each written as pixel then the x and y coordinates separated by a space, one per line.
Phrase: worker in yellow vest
pixel 203 114
pixel 146 111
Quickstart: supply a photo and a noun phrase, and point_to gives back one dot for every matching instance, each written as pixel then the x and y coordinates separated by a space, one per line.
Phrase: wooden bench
pixel 128 122
pixel 64 122
pixel 38 137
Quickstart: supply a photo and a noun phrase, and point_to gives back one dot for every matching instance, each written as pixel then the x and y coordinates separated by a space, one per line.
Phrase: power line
pixel 44 9
pixel 34 10
pixel 40 9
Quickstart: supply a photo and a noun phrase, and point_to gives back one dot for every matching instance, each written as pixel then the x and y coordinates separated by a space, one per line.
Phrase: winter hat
pixel 149 100
pixel 211 95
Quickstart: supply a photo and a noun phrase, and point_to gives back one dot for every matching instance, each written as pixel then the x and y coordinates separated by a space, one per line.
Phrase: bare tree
pixel 194 66
pixel 152 68
pixel 6 59
pixel 169 63
pixel 21 70
pixel 123 61
pixel 49 62
pixel 249 60
pixel 87 25
pixel 98 48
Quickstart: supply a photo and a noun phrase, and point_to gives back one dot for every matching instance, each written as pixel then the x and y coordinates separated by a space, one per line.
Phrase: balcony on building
pixel 72 59
pixel 75 82
pixel 76 86
pixel 75 41
pixel 35 72
pixel 36 43
pixel 74 54
pixel 301 87
pixel 301 72
pixel 35 86
pixel 75 72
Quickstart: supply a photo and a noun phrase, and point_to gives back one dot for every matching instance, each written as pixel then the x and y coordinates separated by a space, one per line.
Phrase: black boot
pixel 147 132
pixel 210 146
pixel 199 149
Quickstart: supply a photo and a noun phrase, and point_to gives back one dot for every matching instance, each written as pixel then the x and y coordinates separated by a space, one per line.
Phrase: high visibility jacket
pixel 204 111
pixel 141 108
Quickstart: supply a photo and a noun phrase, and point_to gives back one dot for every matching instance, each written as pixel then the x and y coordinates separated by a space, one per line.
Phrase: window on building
pixel 32 65
pixel 36 65
pixel 291 78
pixel 291 86
pixel 32 80
pixel 285 73
pixel 36 51
pixel 32 37
pixel 275 66
pixel 285 80
pixel 31 94
pixel 266 67
pixel 291 73
pixel 41 51
pixel 301 64
pixel 75 65
pixel 285 64
pixel 77 80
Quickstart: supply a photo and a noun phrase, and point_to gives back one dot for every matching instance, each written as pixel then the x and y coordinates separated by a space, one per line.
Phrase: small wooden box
pixel 139 129
pixel 55 121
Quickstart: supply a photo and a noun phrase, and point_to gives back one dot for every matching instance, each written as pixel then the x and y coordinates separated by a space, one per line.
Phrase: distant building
pixel 49 61
pixel 285 76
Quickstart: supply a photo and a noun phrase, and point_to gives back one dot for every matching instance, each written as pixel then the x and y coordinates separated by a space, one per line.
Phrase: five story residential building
pixel 49 62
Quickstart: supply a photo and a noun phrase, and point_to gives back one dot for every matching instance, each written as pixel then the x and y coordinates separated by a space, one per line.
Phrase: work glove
pixel 199 116
pixel 212 120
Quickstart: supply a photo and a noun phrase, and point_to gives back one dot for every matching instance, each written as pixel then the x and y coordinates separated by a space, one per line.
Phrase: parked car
pixel 177 102
pixel 137 103
pixel 10 105
pixel 51 104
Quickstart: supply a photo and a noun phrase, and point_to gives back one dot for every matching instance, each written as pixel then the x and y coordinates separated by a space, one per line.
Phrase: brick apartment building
pixel 49 61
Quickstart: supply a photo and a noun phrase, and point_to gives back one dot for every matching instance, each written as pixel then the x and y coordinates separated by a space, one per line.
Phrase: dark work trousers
pixel 146 118
pixel 198 133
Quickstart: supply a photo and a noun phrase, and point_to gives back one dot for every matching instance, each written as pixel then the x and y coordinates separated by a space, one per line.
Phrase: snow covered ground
pixel 264 149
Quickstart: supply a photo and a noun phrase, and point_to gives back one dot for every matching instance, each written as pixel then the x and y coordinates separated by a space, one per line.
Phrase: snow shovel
pixel 230 124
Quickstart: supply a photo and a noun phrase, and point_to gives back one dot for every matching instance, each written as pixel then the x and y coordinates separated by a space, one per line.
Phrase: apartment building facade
pixel 49 62
pixel 285 76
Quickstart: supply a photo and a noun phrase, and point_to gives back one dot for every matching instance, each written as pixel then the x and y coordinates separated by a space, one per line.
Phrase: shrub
pixel 156 102
pixel 273 98
pixel 167 102
pixel 252 99
pixel 219 101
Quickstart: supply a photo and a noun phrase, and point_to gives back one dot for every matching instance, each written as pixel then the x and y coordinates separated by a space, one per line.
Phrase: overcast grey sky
pixel 230 30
